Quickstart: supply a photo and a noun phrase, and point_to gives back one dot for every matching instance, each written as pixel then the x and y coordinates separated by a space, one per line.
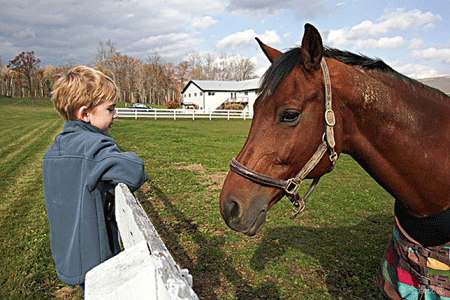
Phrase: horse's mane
pixel 286 62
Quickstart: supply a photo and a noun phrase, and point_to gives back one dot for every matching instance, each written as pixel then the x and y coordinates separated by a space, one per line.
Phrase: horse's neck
pixel 400 134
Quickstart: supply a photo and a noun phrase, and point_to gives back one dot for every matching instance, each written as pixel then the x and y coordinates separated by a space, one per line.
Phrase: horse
pixel 317 102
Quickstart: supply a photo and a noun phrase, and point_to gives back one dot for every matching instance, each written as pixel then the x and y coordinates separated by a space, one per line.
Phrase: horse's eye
pixel 289 116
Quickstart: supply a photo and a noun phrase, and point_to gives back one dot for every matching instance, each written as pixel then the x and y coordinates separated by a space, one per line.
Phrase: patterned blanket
pixel 412 272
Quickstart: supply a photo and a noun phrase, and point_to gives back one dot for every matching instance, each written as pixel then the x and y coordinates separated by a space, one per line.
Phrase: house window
pixel 201 94
pixel 195 94
pixel 189 95
pixel 211 93
pixel 245 93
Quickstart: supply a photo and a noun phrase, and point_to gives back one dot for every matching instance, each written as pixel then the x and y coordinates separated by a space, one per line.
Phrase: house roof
pixel 224 86
pixel 440 83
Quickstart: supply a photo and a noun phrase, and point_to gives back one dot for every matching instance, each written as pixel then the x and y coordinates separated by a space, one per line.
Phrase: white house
pixel 212 95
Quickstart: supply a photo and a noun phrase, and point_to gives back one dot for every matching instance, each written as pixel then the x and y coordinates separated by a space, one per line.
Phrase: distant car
pixel 140 106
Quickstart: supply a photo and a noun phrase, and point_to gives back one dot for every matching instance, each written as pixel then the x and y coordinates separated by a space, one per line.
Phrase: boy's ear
pixel 83 114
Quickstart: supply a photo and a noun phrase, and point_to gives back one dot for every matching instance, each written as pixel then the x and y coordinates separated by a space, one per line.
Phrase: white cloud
pixel 261 63
pixel 63 27
pixel 397 20
pixel 53 18
pixel 243 39
pixel 168 46
pixel 156 41
pixel 270 37
pixel 401 20
pixel 429 26
pixel 380 43
pixel 26 33
pixel 416 71
pixel 8 51
pixel 303 8
pixel 432 53
pixel 415 43
pixel 203 22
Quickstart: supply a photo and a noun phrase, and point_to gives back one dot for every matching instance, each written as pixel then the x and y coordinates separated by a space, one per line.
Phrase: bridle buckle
pixel 330 118
pixel 292 186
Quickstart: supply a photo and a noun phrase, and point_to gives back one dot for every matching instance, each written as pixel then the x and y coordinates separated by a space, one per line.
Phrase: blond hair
pixel 82 86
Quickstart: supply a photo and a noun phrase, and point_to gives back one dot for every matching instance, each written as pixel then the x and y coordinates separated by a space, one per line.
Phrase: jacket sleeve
pixel 112 166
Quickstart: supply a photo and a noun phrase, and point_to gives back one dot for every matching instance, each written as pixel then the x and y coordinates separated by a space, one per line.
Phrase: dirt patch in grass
pixel 192 168
pixel 214 181
pixel 68 293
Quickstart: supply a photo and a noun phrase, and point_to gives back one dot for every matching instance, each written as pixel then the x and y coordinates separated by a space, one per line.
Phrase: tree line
pixel 152 81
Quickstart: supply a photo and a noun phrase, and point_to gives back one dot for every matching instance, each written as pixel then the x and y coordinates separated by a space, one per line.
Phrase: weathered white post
pixel 145 269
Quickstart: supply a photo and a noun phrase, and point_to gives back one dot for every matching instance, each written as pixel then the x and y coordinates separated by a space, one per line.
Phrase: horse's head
pixel 287 128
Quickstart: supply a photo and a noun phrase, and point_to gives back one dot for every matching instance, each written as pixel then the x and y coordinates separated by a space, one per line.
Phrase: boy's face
pixel 103 115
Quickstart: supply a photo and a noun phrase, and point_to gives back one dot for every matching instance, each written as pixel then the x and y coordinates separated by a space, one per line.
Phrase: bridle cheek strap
pixel 292 186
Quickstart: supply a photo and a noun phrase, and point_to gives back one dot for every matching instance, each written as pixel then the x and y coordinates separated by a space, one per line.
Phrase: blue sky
pixel 411 37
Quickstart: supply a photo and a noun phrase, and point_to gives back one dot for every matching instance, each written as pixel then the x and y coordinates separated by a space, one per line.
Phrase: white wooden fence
pixel 183 114
pixel 145 269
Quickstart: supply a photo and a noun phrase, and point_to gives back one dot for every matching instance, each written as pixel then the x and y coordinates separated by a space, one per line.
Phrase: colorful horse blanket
pixel 412 272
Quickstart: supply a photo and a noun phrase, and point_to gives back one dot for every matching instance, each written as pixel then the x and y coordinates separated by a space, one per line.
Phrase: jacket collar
pixel 73 126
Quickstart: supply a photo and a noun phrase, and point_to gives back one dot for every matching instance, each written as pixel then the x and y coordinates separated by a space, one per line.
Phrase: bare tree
pixel 155 63
pixel 105 52
pixel 124 68
pixel 241 68
pixel 195 70
pixel 25 64
pixel 211 67
pixel 4 81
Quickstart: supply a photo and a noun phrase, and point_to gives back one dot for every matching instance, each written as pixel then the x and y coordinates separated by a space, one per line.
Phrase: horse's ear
pixel 312 48
pixel 271 53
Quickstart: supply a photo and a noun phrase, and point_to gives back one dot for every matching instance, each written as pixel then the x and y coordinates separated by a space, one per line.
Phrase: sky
pixel 413 37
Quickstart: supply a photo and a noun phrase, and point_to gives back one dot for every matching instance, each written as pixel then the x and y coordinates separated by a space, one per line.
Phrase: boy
pixel 80 171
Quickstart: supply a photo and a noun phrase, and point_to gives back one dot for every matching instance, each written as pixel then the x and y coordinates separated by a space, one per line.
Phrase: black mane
pixel 360 60
pixel 286 62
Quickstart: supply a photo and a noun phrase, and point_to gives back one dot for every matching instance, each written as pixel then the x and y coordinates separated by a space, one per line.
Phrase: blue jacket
pixel 80 170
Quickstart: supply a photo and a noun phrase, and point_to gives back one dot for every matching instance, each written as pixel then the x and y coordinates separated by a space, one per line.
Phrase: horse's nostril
pixel 233 210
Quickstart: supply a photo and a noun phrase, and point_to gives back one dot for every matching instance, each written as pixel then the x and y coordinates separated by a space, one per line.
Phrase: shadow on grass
pixel 349 255
pixel 212 264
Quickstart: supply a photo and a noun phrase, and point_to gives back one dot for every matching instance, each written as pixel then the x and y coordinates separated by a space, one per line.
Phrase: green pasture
pixel 331 251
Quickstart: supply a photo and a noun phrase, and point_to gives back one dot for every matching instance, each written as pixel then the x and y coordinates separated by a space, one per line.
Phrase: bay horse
pixel 316 103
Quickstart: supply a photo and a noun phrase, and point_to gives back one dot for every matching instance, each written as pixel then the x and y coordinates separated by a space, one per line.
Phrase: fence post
pixel 145 269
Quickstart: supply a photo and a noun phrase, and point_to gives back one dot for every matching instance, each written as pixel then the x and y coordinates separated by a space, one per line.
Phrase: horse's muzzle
pixel 247 221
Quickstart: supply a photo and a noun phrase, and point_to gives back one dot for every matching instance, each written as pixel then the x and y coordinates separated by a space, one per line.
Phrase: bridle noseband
pixel 292 185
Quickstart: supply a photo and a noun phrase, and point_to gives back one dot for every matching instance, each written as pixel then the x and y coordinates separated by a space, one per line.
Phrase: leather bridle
pixel 292 185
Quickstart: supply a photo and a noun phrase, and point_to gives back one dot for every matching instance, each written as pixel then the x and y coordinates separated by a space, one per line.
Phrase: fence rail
pixel 145 269
pixel 183 114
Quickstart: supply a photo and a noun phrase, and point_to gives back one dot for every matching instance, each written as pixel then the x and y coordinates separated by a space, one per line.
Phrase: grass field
pixel 331 251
